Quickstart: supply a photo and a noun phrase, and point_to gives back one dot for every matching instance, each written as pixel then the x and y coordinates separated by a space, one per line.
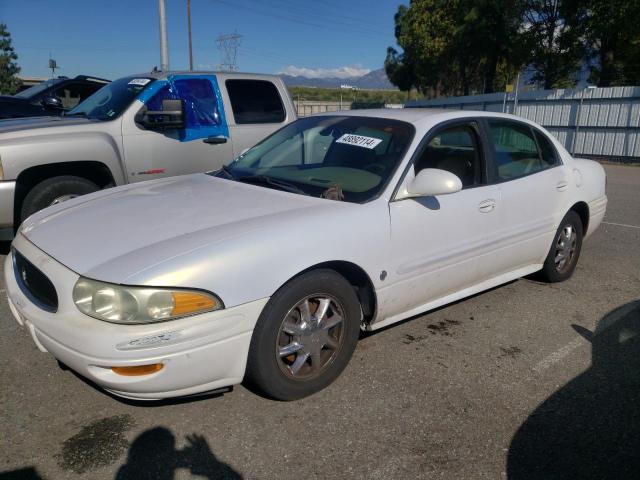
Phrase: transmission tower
pixel 228 45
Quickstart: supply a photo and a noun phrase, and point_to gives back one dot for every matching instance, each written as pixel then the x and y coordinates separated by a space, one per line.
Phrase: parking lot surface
pixel 528 380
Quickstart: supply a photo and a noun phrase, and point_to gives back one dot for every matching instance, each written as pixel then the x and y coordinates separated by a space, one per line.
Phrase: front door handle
pixel 487 205
pixel 215 140
pixel 562 185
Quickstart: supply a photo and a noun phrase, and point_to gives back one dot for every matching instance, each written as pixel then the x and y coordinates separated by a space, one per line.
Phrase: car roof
pixel 159 75
pixel 421 116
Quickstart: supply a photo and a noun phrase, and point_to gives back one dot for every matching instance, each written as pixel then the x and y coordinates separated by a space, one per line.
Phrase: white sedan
pixel 267 270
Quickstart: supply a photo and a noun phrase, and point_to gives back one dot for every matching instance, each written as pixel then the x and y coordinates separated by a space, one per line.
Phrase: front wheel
pixel 565 250
pixel 305 336
pixel 53 191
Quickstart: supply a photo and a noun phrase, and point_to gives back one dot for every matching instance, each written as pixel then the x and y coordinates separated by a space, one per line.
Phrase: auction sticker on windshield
pixel 359 141
pixel 139 81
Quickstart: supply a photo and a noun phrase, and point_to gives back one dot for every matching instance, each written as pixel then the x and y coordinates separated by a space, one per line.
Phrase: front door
pixel 439 241
pixel 163 153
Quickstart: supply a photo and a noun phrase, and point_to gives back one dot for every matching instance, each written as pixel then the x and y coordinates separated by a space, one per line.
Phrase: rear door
pixel 533 185
pixel 257 109
pixel 440 241
pixel 163 153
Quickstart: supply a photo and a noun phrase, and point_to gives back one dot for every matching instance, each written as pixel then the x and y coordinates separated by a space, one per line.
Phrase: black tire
pixel 46 192
pixel 554 271
pixel 271 373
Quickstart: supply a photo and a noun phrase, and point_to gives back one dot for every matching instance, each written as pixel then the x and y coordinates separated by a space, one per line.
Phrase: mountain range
pixel 374 80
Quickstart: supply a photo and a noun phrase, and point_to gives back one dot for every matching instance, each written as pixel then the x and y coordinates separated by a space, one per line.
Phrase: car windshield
pixel 112 99
pixel 36 89
pixel 336 157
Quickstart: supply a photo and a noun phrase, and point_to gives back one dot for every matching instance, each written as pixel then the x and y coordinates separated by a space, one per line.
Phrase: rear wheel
pixel 565 250
pixel 305 336
pixel 53 191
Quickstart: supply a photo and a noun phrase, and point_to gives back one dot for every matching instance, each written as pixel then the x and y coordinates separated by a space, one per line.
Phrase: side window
pixel 516 152
pixel 455 150
pixel 547 152
pixel 255 101
pixel 200 103
pixel 72 94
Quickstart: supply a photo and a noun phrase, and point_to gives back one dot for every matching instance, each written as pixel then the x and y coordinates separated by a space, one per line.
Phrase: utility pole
pixel 189 29
pixel 164 43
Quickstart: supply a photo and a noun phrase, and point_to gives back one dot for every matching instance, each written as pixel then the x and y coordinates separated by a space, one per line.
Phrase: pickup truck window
pixel 111 100
pixel 255 101
pixel 200 104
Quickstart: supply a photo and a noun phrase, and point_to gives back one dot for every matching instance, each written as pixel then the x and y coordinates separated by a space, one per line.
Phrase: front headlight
pixel 134 305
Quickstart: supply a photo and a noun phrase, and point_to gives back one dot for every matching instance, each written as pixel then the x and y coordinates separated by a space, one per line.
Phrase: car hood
pixel 116 233
pixel 31 123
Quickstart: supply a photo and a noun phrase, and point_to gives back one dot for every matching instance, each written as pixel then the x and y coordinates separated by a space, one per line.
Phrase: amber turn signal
pixel 186 303
pixel 138 369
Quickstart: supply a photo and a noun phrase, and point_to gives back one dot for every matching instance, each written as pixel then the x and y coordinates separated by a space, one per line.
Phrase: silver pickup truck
pixel 136 128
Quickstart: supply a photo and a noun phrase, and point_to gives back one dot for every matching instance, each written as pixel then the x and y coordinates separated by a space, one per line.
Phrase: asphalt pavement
pixel 525 381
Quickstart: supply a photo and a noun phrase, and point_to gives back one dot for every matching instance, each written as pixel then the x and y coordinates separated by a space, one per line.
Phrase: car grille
pixel 35 284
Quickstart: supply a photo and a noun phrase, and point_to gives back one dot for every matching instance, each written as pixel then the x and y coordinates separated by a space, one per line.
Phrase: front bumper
pixel 199 353
pixel 7 195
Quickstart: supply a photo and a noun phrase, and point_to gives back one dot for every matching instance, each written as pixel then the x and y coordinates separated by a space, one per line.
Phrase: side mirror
pixel 430 182
pixel 170 117
pixel 52 102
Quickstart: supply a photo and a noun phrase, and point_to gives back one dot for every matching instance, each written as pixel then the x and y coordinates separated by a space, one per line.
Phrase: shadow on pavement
pixel 153 455
pixel 589 428
pixel 27 473
pixel 5 247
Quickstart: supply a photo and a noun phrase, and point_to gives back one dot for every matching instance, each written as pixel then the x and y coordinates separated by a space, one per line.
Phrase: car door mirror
pixel 170 117
pixel 52 102
pixel 430 182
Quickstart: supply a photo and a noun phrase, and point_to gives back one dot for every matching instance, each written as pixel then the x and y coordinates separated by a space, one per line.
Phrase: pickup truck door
pixel 201 146
pixel 256 108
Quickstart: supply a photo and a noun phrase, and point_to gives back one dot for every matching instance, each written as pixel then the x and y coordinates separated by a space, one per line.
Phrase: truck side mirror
pixel 170 117
pixel 52 102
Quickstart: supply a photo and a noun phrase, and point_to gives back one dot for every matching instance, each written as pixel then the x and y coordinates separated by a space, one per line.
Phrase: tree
pixel 554 33
pixel 455 46
pixel 9 82
pixel 613 40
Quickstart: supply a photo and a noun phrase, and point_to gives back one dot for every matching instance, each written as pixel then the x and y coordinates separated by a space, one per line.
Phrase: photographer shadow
pixel 590 427
pixel 153 455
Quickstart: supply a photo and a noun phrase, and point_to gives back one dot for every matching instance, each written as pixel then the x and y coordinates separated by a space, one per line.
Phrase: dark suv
pixel 52 97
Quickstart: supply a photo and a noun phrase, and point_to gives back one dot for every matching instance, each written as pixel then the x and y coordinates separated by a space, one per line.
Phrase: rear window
pixel 255 101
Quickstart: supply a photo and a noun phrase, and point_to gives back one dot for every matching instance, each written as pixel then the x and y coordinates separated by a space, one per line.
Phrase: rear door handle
pixel 487 205
pixel 215 140
pixel 562 185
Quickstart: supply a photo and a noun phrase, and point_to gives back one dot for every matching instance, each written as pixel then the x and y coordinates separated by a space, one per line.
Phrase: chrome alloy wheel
pixel 565 248
pixel 310 337
pixel 63 198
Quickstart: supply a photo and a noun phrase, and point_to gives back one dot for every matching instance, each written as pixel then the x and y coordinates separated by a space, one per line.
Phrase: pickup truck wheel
pixel 305 336
pixel 55 190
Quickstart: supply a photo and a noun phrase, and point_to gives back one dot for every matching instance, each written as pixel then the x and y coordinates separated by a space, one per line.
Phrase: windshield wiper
pixel 79 114
pixel 279 184
pixel 227 171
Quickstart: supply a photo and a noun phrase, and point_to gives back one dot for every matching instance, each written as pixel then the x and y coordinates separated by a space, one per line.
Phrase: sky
pixel 114 38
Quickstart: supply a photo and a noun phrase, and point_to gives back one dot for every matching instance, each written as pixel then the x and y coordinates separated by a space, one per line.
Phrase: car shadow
pixel 5 247
pixel 590 427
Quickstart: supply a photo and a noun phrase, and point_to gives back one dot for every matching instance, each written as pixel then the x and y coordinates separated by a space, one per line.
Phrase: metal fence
pixel 592 122
pixel 309 107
